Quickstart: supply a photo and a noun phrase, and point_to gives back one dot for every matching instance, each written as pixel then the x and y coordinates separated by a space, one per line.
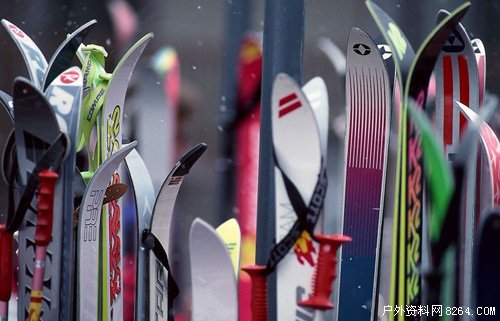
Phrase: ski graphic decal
pixel 367 127
pixel 214 287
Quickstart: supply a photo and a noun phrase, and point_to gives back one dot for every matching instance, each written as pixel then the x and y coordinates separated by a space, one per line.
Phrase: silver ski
pixel 160 227
pixel 214 287
pixel 88 232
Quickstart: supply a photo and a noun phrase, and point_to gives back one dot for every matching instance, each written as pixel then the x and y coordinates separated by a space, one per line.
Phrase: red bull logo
pixel 304 249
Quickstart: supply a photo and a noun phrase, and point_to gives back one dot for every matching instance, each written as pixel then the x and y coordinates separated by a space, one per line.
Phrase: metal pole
pixel 238 20
pixel 282 52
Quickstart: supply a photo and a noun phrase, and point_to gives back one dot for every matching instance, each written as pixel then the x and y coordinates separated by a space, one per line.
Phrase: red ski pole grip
pixel 43 232
pixel 258 277
pixel 5 264
pixel 325 272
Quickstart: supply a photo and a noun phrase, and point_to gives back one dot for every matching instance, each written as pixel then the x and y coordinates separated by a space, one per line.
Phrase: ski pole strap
pixel 51 158
pixel 307 215
pixel 95 87
pixel 152 243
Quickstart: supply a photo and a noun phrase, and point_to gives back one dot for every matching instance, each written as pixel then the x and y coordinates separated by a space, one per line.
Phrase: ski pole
pixel 5 271
pixel 43 236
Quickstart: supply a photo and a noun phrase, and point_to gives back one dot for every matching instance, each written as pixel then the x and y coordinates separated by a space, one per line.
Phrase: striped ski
pixel 457 80
pixel 413 73
pixel 367 126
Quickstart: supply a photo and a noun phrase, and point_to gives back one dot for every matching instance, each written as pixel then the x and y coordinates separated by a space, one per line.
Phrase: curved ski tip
pixel 130 145
pixel 188 159
pixel 23 86
pixel 197 226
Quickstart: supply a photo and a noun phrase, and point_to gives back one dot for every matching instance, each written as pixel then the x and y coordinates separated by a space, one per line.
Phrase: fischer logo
pixel 16 31
pixel 70 76
pixel 304 249
pixel 92 212
pixel 414 216
pixel 115 277
pixel 288 104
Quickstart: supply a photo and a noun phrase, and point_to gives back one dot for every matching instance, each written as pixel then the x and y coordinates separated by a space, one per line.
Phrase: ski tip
pixel 197 226
pixel 191 157
pixel 24 87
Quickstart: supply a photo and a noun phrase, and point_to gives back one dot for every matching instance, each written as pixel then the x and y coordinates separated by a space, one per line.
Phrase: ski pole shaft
pixel 43 236
pixel 258 278
pixel 325 271
pixel 5 271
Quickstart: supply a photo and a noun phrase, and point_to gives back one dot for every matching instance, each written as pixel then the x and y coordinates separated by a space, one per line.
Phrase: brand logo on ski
pixel 361 49
pixel 115 245
pixel 16 31
pixel 397 39
pixel 69 77
pixel 160 290
pixel 455 43
pixel 175 180
pixel 385 51
pixel 288 104
pixel 93 210
pixel 304 249
pixel 475 46
pixel 94 104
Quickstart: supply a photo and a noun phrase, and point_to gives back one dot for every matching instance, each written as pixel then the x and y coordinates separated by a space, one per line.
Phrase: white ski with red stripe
pixel 297 149
pixel 480 54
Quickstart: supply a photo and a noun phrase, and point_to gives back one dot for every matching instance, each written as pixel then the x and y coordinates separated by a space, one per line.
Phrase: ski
pixel 37 147
pixel 230 233
pixel 143 195
pixel 89 297
pixel 33 57
pixel 457 79
pixel 301 158
pixel 491 146
pixel 109 139
pixel 413 73
pixel 214 287
pixel 64 94
pixel 64 55
pixel 157 238
pixel 367 127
